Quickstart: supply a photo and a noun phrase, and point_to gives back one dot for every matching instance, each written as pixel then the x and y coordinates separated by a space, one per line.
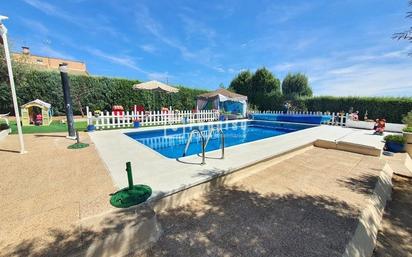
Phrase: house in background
pixel 49 63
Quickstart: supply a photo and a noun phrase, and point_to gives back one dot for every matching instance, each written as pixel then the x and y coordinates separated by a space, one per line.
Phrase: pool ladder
pixel 205 142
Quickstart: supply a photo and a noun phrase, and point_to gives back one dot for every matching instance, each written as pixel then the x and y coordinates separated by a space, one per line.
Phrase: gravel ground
pixel 304 206
pixel 45 192
pixel 395 236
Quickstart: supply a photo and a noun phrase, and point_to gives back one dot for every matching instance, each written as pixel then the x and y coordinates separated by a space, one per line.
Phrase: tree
pixel 263 83
pixel 221 85
pixel 19 72
pixel 241 83
pixel 295 86
pixel 407 34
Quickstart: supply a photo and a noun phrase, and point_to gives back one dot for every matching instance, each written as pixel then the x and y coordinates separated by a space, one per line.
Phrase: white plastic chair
pixel 4 117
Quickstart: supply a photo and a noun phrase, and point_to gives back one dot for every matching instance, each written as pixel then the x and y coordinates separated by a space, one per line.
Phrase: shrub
pixel 395 138
pixel 407 119
pixel 407 129
pixel 271 101
pixel 96 92
pixel 390 108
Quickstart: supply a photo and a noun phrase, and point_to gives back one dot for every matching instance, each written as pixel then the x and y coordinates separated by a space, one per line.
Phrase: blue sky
pixel 344 46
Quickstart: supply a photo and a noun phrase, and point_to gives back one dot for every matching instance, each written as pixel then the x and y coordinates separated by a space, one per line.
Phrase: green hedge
pixel 103 92
pixel 96 92
pixel 390 108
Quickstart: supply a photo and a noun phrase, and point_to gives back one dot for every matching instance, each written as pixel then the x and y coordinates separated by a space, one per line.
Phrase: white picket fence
pixel 337 119
pixel 107 120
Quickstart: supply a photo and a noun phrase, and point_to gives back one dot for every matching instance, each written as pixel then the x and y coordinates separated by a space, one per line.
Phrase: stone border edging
pixel 363 241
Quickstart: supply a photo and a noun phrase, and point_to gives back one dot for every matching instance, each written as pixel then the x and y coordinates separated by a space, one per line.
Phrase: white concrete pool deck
pixel 166 176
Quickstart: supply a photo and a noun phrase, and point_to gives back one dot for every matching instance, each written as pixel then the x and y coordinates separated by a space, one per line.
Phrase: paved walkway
pixel 308 205
pixel 44 193
pixel 395 236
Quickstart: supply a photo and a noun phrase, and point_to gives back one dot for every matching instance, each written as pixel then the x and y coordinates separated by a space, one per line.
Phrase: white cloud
pixel 345 70
pixel 398 54
pixel 364 72
pixel 125 61
pixel 219 69
pixel 206 56
pixel 194 27
pixel 51 10
pixel 283 67
pixel 160 76
pixel 95 24
pixel 129 62
pixel 303 43
pixel 148 48
pixel 144 19
pixel 281 13
pixel 35 26
pixel 387 73
pixel 367 80
pixel 49 51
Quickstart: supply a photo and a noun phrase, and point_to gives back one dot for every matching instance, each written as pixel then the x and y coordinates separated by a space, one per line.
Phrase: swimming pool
pixel 171 142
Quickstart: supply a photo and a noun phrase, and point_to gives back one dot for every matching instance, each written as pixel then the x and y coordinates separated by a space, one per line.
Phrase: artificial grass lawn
pixel 55 126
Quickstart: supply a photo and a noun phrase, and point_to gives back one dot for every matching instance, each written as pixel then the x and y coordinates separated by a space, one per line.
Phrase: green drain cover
pixel 130 196
pixel 78 146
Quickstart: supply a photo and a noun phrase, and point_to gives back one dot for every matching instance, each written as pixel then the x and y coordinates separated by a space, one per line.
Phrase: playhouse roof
pixel 37 102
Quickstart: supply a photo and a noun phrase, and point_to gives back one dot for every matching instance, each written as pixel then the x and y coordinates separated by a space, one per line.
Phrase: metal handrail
pixel 222 140
pixel 190 139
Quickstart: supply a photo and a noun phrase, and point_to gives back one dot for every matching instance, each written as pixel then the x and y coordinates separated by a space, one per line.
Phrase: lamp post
pixel 3 31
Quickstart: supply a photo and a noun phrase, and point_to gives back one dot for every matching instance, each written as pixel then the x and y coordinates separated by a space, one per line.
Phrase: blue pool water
pixel 299 118
pixel 171 142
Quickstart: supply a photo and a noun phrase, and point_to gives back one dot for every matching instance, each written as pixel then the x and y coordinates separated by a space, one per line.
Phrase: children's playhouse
pixel 36 112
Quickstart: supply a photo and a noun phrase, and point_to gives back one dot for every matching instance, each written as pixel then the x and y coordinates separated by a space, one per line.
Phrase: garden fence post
pixel 87 115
